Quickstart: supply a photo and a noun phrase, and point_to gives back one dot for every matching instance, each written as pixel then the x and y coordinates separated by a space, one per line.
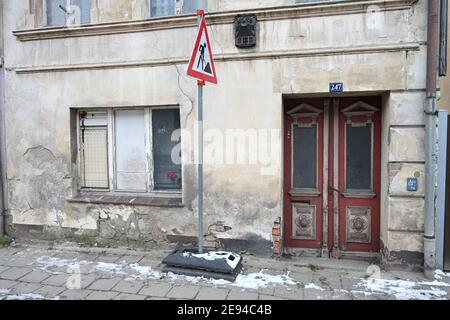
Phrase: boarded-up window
pixel 68 12
pixel 167 170
pixel 131 163
pixel 94 150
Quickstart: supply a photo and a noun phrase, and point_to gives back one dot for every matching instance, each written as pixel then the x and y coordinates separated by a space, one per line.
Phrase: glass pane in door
pixel 304 157
pixel 359 157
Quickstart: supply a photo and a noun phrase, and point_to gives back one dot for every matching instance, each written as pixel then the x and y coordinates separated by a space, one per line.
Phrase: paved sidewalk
pixel 36 271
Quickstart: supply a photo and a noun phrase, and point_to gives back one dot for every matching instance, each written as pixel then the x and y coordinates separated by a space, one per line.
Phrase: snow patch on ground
pixel 114 268
pixel 436 283
pixel 109 267
pixel 439 275
pixel 246 281
pixel 340 290
pixel 146 272
pixel 313 286
pixel 402 289
pixel 5 295
pixel 51 262
pixel 4 291
pixel 261 280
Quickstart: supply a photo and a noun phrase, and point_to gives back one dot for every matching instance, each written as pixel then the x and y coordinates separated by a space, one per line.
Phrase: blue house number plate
pixel 412 184
pixel 336 87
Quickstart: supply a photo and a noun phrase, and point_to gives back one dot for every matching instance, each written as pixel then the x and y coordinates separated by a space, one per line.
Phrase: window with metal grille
pixel 130 150
pixel 94 150
pixel 68 12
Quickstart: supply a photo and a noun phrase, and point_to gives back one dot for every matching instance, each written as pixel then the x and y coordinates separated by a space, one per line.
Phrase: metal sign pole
pixel 200 158
pixel 184 261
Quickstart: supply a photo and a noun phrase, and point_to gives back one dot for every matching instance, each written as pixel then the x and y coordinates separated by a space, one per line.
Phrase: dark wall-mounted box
pixel 245 31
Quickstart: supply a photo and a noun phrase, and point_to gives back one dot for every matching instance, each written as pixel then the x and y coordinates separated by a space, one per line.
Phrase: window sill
pixel 166 200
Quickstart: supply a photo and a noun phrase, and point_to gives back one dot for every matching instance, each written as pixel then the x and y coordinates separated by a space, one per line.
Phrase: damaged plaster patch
pixel 119 223
pixel 56 218
pixel 39 157
pixel 38 195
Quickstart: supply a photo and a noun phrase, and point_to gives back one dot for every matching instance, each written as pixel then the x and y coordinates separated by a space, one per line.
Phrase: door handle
pixel 331 189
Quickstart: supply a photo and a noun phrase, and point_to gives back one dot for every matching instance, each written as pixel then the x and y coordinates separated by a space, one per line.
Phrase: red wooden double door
pixel 332 155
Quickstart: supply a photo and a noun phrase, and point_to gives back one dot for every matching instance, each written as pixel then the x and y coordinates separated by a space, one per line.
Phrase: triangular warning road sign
pixel 201 65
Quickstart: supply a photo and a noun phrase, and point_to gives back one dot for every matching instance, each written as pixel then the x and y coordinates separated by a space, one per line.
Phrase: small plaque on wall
pixel 412 184
pixel 336 87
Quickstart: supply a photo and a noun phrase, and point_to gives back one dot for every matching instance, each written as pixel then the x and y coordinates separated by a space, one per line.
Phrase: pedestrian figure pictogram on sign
pixel 201 65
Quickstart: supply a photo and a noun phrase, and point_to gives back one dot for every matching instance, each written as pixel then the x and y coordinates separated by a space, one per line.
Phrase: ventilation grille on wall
pixel 245 31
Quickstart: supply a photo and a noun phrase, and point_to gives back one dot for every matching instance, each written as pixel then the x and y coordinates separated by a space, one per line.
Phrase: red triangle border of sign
pixel 193 73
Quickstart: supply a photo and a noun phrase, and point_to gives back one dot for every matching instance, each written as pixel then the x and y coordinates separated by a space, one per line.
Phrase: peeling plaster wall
pixel 249 95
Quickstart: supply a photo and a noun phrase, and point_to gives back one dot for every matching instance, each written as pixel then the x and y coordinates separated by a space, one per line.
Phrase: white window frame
pixel 178 9
pixel 45 14
pixel 175 9
pixel 111 145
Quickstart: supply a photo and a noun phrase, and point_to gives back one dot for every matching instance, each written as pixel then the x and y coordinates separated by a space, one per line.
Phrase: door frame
pixel 331 237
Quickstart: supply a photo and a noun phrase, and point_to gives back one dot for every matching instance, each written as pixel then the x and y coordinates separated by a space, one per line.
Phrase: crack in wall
pixel 30 208
pixel 184 93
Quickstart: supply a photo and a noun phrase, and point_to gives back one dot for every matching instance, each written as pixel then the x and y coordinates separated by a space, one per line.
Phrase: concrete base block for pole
pixel 212 264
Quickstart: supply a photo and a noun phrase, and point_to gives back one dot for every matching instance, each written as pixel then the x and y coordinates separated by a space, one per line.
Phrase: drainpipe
pixel 3 196
pixel 2 202
pixel 430 136
pixel 2 152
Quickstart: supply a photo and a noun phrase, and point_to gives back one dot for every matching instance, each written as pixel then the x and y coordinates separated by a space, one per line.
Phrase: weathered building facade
pixel 90 111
